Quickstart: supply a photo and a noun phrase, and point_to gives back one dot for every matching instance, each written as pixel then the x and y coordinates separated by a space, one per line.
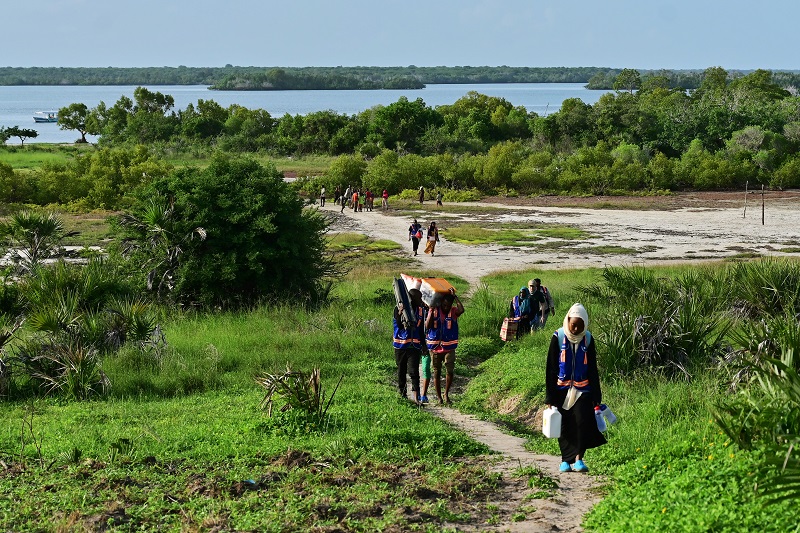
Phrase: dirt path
pixel 562 510
pixel 687 229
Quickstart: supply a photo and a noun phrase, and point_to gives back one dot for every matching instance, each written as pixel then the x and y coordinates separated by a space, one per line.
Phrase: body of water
pixel 19 103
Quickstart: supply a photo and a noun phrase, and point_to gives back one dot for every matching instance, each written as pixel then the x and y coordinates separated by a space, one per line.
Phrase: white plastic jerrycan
pixel 551 422
pixel 601 422
pixel 609 415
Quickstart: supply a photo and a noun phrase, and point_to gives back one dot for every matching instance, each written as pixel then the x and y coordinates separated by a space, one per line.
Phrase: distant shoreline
pixel 236 78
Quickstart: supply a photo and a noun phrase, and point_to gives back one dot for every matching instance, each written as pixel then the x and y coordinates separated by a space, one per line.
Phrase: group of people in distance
pixel 428 344
pixel 357 199
pixel 415 235
pixel 421 196
pixel 531 307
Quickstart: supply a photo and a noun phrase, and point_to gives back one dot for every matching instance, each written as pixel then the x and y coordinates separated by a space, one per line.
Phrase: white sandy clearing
pixel 654 237
pixel 689 234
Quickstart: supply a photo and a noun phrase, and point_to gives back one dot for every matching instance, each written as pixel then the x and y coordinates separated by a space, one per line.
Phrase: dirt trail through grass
pixel 520 507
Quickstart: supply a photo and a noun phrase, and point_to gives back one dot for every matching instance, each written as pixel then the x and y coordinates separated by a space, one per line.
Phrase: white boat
pixel 45 116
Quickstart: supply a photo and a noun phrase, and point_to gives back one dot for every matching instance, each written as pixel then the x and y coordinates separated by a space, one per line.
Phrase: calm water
pixel 18 104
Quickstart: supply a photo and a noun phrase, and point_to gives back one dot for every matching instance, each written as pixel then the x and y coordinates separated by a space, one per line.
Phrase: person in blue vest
pixel 520 309
pixel 572 384
pixel 441 328
pixel 409 344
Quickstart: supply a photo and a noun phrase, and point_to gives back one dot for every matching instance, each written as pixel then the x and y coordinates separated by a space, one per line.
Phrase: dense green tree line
pixel 683 79
pixel 281 80
pixel 639 137
pixel 719 136
pixel 235 77
pixel 222 76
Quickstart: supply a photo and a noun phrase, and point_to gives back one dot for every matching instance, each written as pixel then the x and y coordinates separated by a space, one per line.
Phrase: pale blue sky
pixel 644 34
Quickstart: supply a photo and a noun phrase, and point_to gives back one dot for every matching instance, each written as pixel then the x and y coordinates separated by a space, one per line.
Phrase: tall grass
pixel 671 463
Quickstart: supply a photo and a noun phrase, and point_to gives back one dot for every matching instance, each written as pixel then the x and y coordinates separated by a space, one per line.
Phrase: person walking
pixel 441 335
pixel 520 309
pixel 538 305
pixel 414 235
pixel 322 197
pixel 549 307
pixel 439 197
pixel 355 199
pixel 345 198
pixel 421 194
pixel 433 238
pixel 409 344
pixel 337 195
pixel 572 384
pixel 385 200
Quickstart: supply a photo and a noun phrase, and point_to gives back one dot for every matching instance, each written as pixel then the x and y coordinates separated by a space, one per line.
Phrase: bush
pixel 259 242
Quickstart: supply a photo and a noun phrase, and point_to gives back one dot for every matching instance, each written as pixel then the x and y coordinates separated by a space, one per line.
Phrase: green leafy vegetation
pixel 226 235
pixel 736 130
pixel 688 453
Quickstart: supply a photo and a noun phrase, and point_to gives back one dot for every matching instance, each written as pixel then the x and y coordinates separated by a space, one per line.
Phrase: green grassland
pixel 182 444
pixel 33 156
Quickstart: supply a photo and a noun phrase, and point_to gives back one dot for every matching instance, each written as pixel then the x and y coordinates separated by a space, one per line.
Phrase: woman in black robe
pixel 572 364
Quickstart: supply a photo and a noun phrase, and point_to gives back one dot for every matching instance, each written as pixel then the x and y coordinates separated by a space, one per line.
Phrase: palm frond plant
pixel 766 414
pixel 298 390
pixel 34 237
pixel 152 234
pixel 767 287
pixel 652 323
pixel 130 320
pixel 67 369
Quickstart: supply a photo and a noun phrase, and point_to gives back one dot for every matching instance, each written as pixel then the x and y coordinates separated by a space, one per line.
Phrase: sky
pixel 641 34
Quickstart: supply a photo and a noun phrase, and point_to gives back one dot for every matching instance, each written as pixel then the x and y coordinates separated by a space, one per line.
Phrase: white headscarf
pixel 577 310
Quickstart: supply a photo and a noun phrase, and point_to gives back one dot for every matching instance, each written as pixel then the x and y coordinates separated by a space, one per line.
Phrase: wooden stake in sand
pixel 744 214
pixel 762 205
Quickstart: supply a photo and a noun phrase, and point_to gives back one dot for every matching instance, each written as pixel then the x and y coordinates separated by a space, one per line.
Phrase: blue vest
pixel 405 338
pixel 573 368
pixel 443 334
pixel 515 306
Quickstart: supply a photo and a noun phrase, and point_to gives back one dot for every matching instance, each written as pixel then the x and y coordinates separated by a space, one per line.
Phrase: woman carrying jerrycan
pixel 573 387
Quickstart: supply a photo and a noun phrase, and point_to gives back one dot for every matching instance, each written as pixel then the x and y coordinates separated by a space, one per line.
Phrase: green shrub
pixel 259 243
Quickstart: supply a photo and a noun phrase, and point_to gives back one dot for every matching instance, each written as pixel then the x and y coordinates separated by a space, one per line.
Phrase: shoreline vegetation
pixel 234 78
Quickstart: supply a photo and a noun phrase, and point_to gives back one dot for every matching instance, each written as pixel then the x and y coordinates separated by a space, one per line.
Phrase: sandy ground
pixel 697 228
pixel 692 227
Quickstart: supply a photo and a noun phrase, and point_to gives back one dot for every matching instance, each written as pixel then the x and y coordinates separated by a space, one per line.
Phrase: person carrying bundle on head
pixel 441 328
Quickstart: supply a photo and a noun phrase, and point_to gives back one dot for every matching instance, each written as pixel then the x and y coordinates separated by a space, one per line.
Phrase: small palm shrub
pixel 69 369
pixel 34 236
pixel 91 303
pixel 766 415
pixel 92 284
pixel 651 323
pixel 297 390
